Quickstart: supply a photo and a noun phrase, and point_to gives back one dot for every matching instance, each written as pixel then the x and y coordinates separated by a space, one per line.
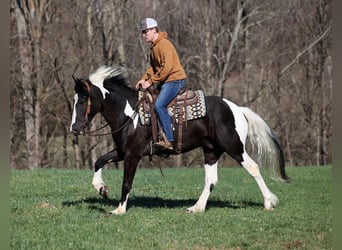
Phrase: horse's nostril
pixel 75 132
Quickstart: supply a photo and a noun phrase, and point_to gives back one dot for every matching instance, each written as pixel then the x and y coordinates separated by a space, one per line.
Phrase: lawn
pixel 59 209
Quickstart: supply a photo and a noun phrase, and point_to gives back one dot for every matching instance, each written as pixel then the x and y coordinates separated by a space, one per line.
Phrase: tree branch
pixel 304 51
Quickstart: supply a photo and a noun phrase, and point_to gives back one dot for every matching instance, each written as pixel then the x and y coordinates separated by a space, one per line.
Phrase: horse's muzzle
pixel 77 130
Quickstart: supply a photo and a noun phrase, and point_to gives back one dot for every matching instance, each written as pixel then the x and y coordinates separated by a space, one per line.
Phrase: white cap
pixel 148 23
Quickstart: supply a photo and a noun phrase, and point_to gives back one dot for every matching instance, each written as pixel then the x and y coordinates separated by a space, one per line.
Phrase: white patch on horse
pixel 73 119
pixel 270 199
pixel 121 209
pixel 97 181
pixel 130 113
pixel 241 125
pixel 100 75
pixel 210 181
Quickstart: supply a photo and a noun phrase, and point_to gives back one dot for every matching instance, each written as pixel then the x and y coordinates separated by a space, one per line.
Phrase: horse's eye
pixel 82 99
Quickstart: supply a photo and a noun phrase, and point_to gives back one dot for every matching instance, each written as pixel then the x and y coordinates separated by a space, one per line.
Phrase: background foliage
pixel 272 56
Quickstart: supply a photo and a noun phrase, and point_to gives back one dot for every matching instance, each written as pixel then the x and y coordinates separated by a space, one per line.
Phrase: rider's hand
pixel 138 84
pixel 143 83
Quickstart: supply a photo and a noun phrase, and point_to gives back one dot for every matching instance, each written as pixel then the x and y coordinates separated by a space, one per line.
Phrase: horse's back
pixel 219 112
pixel 219 124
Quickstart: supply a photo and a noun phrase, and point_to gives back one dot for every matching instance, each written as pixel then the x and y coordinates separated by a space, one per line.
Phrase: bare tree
pixel 31 18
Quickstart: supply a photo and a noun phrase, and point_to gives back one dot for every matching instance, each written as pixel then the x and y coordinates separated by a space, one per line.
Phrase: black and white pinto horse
pixel 225 128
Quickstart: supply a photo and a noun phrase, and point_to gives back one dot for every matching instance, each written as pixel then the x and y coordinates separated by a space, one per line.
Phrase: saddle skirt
pixel 189 103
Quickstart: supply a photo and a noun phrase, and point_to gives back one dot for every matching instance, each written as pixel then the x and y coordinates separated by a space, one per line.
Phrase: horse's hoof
pixel 104 191
pixel 109 214
pixel 195 209
pixel 115 212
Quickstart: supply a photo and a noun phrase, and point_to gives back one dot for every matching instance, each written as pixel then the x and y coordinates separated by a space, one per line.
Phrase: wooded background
pixel 272 56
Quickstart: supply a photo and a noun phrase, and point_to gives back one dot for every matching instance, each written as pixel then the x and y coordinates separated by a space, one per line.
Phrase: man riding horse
pixel 166 72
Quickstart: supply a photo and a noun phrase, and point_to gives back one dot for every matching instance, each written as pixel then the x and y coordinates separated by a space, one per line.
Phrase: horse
pixel 224 129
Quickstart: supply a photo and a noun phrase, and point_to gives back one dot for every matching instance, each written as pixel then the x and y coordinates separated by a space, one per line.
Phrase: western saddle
pixel 184 98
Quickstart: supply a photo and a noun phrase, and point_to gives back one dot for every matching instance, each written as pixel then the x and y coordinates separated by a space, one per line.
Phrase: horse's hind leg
pixel 97 181
pixel 252 168
pixel 210 182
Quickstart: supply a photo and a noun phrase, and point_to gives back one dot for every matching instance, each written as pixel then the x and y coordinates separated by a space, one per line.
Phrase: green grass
pixel 58 209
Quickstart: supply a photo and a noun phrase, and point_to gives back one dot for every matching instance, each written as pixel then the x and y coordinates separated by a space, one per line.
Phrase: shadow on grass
pixel 98 203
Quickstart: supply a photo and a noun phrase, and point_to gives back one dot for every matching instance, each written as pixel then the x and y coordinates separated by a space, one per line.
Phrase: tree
pixel 31 17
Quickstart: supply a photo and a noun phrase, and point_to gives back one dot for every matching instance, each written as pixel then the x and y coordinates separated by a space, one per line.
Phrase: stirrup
pixel 163 145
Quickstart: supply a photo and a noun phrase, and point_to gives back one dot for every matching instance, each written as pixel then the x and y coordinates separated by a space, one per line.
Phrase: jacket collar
pixel 161 35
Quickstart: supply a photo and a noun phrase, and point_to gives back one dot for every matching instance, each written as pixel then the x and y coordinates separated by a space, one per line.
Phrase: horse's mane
pixel 108 78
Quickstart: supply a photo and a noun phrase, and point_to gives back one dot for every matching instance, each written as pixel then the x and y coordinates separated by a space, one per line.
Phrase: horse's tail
pixel 270 153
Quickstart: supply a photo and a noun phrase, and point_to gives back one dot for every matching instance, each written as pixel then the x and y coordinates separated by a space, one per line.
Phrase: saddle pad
pixel 193 111
pixel 144 109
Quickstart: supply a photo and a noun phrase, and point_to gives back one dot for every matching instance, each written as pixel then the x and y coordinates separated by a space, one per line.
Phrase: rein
pixel 88 104
pixel 92 133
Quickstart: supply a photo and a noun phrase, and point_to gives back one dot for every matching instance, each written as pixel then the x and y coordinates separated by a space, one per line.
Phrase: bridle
pixel 87 112
pixel 86 122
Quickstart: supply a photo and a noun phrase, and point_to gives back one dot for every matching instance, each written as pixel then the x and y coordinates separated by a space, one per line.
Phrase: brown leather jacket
pixel 165 65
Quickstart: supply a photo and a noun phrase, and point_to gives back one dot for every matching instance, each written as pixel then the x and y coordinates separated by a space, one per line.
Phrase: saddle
pixel 187 105
pixel 184 97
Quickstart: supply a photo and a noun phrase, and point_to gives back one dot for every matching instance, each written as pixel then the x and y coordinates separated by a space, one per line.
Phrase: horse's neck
pixel 118 107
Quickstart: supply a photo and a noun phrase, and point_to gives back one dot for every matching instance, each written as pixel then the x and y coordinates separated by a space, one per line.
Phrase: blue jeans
pixel 168 91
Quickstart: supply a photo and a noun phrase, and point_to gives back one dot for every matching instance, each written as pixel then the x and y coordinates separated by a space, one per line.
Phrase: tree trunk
pixel 247 65
pixel 32 145
pixel 208 49
pixel 233 41
pixel 65 149
pixel 121 50
pixel 90 30
pixel 77 152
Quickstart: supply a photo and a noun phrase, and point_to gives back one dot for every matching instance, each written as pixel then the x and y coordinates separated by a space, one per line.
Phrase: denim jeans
pixel 168 91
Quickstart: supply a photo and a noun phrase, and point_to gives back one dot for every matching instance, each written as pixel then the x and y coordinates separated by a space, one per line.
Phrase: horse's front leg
pixel 130 167
pixel 97 181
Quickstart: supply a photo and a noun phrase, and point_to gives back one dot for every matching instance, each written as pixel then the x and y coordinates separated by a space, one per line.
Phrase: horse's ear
pixel 75 78
pixel 80 87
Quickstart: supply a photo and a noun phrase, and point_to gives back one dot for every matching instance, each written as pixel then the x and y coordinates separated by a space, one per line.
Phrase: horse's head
pixel 90 95
pixel 87 103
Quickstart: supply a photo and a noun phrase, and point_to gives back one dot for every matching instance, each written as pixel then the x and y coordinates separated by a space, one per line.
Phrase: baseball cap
pixel 148 23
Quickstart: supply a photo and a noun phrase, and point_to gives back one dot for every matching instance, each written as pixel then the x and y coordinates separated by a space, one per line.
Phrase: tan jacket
pixel 165 65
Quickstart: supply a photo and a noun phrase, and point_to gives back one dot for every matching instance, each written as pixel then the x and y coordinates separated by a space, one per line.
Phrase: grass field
pixel 58 209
